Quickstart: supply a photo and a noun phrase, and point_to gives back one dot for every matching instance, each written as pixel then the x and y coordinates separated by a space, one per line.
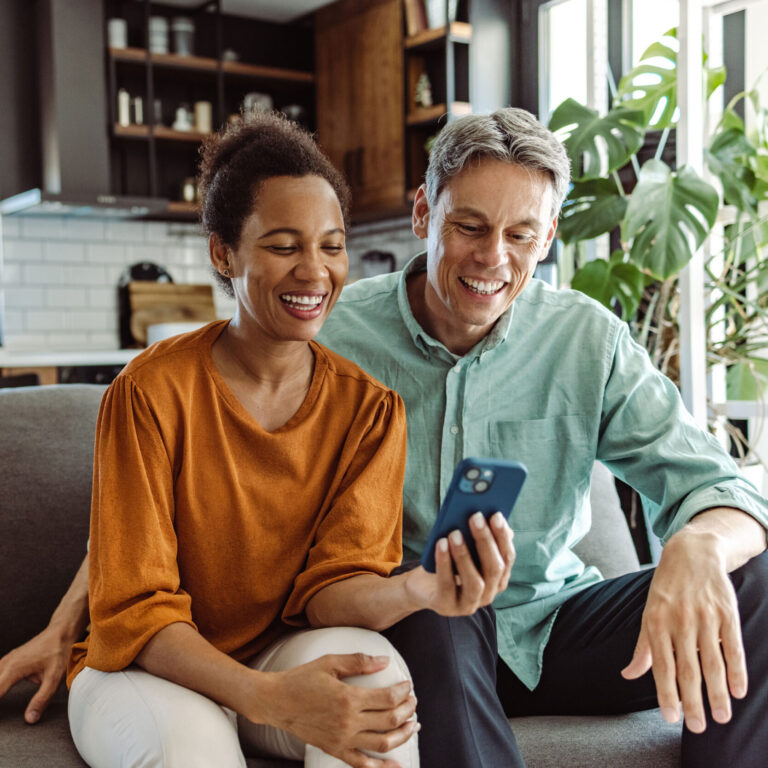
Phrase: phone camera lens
pixel 472 473
pixel 481 486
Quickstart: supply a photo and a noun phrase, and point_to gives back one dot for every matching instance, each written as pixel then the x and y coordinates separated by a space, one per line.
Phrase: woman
pixel 242 472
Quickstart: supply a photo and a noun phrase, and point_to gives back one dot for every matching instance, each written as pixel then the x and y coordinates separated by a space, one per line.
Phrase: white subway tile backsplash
pixel 71 253
pixel 44 319
pixel 102 298
pixel 22 251
pixel 125 231
pixel 42 274
pixel 10 226
pixel 10 274
pixel 18 297
pixel 103 340
pixel 88 320
pixel 134 254
pixel 23 341
pixel 60 275
pixel 106 253
pixel 63 298
pixel 86 229
pixel 66 339
pixel 90 275
pixel 14 321
pixel 38 228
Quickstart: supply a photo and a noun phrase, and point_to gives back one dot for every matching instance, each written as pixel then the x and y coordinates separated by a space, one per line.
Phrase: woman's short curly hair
pixel 247 152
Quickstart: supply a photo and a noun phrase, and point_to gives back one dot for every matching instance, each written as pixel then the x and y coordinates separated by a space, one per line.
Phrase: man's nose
pixel 493 251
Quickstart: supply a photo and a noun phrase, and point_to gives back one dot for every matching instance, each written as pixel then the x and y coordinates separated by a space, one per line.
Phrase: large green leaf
pixel 747 379
pixel 592 208
pixel 651 86
pixel 668 217
pixel 729 157
pixel 610 281
pixel 597 145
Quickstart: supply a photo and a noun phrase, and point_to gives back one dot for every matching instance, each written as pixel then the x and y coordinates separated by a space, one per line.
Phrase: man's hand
pixel 691 631
pixel 43 660
pixel 463 592
pixel 312 702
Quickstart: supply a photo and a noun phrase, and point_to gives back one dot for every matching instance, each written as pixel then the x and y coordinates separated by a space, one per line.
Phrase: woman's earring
pixel 226 273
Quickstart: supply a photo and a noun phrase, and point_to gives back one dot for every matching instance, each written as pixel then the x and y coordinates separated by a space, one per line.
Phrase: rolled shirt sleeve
pixel 649 440
pixel 362 529
pixel 134 588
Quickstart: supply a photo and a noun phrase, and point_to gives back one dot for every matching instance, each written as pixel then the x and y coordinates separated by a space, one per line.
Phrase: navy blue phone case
pixel 467 494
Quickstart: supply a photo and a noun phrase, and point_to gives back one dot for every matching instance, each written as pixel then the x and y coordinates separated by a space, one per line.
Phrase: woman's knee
pixel 131 718
pixel 303 647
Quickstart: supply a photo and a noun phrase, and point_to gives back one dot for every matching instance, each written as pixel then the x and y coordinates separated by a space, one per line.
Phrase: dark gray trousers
pixel 466 692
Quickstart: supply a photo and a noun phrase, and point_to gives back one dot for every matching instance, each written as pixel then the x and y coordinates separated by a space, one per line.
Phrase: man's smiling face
pixel 491 225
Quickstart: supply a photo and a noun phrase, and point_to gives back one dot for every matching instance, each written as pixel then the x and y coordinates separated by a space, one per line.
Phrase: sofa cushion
pixel 46 466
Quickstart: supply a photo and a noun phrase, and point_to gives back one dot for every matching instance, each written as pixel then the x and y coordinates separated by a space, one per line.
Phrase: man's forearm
pixel 737 536
pixel 71 615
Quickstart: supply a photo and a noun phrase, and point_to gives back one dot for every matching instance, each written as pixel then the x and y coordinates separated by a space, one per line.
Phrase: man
pixel 490 363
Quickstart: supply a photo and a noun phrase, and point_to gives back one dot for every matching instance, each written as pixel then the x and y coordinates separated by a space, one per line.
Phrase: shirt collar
pixel 424 342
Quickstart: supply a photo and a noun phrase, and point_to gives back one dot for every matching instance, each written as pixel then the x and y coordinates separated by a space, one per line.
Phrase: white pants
pixel 132 719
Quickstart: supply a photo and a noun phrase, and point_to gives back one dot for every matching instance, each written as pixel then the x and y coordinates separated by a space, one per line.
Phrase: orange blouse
pixel 200 516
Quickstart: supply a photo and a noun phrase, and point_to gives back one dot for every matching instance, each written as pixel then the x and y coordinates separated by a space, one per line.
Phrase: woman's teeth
pixel 300 301
pixel 481 286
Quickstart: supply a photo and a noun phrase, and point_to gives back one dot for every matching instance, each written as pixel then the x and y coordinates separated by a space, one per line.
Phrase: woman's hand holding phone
pixel 458 587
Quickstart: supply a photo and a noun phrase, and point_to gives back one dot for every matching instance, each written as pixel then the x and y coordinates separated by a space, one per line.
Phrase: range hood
pixel 73 118
pixel 36 202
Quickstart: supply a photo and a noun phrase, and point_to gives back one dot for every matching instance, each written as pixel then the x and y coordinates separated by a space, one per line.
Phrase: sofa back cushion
pixel 46 469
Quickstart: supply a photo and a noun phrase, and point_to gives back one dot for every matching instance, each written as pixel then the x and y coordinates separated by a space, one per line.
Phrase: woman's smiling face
pixel 291 262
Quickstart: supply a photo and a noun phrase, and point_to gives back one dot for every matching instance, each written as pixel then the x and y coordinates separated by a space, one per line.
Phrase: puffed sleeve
pixel 649 440
pixel 362 530
pixel 134 579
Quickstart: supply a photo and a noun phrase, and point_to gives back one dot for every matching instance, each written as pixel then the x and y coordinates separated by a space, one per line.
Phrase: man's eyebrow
pixel 467 210
pixel 297 232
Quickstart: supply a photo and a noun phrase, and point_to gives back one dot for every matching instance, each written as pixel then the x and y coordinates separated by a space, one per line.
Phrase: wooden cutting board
pixel 151 303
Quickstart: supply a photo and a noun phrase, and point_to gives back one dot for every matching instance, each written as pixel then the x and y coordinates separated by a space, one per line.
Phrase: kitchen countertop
pixel 52 358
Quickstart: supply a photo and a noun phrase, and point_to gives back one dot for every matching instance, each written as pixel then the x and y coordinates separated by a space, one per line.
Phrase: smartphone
pixel 478 485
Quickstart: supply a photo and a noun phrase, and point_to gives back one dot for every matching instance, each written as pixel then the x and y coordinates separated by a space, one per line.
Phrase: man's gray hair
pixel 511 135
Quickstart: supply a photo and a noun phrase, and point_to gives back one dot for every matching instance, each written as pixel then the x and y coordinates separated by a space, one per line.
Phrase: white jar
pixel 117 33
pixel 158 34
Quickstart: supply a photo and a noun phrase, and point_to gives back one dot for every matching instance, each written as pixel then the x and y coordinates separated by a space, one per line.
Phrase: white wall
pixel 59 275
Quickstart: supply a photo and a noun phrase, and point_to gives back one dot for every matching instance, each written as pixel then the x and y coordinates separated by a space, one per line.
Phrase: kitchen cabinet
pixel 360 111
pixel 152 152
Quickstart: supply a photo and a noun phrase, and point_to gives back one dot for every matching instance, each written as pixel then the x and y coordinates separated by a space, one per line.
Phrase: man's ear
pixel 420 221
pixel 220 254
pixel 550 237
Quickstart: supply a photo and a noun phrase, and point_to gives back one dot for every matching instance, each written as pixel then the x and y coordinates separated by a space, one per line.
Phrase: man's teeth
pixel 301 301
pixel 481 286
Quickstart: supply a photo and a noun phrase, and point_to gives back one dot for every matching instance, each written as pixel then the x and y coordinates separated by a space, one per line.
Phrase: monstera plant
pixel 660 215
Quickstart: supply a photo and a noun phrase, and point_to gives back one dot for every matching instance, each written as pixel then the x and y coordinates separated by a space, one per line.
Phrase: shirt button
pixel 456 369
pixel 454 430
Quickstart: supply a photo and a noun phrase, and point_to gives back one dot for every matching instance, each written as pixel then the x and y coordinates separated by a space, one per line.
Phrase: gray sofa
pixel 46 451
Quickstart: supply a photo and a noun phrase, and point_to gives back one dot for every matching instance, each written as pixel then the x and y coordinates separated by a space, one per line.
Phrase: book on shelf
pixel 415 16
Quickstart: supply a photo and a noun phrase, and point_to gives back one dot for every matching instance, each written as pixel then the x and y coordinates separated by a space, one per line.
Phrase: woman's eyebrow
pixel 297 232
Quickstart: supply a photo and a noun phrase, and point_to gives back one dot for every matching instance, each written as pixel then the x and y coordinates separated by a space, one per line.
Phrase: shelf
pixel 131 131
pixel 421 115
pixel 266 73
pixel 160 132
pixel 169 134
pixel 459 31
pixel 201 64
pixel 181 207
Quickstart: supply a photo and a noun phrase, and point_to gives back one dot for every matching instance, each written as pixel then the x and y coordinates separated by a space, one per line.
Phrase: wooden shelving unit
pixel 151 158
pixel 203 64
pixel 442 55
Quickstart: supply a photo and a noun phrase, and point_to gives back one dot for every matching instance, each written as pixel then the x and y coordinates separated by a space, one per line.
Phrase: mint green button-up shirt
pixel 557 384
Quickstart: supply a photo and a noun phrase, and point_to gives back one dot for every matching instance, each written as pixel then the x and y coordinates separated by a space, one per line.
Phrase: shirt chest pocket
pixel 558 454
